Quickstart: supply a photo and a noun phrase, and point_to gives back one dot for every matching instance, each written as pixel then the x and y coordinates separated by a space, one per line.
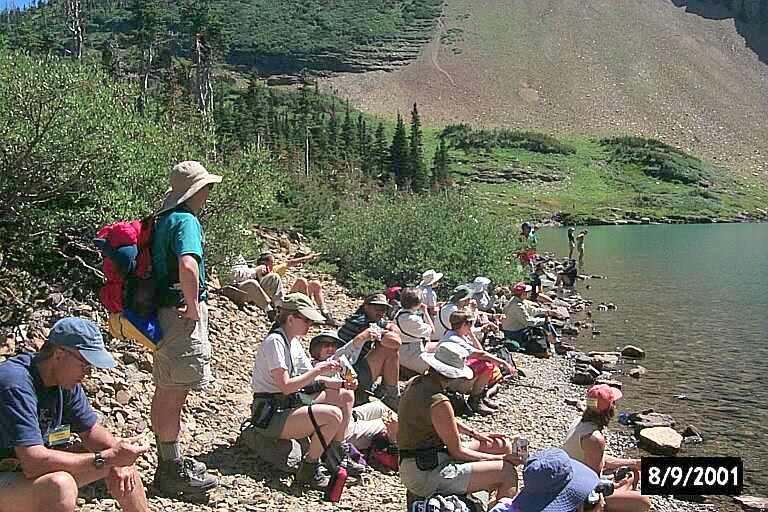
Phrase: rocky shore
pixel 539 406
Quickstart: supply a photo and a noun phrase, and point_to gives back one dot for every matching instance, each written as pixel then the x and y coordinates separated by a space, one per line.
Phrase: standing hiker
pixel 182 362
pixel 580 245
pixel 42 402
pixel 571 241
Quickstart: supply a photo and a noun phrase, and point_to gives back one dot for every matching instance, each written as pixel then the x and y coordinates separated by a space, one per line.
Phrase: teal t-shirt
pixel 176 233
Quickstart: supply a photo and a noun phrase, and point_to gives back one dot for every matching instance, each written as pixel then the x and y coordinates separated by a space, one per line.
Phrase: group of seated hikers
pixel 340 402
pixel 326 395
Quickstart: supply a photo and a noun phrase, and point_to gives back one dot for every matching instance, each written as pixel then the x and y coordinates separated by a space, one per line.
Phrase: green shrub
pixel 394 240
pixel 466 138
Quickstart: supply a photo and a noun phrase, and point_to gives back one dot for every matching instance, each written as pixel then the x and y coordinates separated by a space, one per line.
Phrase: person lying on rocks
pixel 432 457
pixel 368 418
pixel 479 361
pixel 522 322
pixel 416 327
pixel 430 280
pixel 264 283
pixel 285 385
pixel 379 355
pixel 586 443
pixel 42 404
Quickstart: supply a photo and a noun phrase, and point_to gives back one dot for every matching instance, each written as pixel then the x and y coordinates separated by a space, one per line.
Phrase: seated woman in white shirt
pixel 416 327
pixel 285 383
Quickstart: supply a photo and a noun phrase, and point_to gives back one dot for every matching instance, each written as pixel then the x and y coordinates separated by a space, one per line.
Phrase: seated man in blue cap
pixel 42 403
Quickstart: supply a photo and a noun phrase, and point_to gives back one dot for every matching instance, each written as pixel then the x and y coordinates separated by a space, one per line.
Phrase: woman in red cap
pixel 585 443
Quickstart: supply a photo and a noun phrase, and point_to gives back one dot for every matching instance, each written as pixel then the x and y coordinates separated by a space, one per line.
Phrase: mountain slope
pixel 645 67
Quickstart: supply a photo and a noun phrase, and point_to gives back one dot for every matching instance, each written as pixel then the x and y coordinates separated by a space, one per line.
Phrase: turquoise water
pixel 695 297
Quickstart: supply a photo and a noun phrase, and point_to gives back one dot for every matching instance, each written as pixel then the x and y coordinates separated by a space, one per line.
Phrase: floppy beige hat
pixel 450 360
pixel 187 179
pixel 430 277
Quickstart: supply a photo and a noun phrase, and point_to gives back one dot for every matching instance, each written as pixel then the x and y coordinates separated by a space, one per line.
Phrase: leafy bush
pixel 464 137
pixel 394 240
pixel 659 160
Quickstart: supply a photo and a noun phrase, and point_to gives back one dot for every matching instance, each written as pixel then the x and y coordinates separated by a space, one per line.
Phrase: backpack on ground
pixel 129 293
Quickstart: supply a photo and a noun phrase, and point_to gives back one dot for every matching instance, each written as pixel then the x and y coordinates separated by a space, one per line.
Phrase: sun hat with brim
pixel 377 299
pixel 300 303
pixel 430 277
pixel 553 482
pixel 479 284
pixel 187 179
pixel 449 360
pixel 460 293
pixel 521 288
pixel 601 396
pixel 324 337
pixel 84 336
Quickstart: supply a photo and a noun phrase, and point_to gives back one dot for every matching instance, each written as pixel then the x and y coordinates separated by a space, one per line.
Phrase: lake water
pixel 695 297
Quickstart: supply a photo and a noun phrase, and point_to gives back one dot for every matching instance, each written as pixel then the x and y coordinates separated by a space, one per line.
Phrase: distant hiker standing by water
pixel 571 241
pixel 580 245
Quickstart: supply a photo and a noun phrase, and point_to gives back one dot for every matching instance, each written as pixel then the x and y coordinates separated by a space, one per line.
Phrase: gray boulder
pixel 633 352
pixel 661 440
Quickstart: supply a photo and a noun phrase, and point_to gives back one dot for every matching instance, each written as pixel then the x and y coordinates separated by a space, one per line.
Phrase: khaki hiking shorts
pixel 449 477
pixel 183 356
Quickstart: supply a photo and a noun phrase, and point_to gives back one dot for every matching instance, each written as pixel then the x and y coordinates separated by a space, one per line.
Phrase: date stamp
pixel 692 475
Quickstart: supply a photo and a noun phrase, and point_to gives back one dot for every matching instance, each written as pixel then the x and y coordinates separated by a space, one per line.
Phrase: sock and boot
pixel 176 474
pixel 487 400
pixel 475 403
pixel 312 474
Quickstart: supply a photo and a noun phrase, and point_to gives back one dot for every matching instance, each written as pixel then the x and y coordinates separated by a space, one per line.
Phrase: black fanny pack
pixel 426 458
pixel 265 405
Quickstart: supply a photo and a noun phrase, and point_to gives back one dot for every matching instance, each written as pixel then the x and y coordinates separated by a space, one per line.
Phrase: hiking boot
pixel 330 321
pixel 490 403
pixel 313 475
pixel 183 476
pixel 476 404
pixel 492 391
pixel 354 468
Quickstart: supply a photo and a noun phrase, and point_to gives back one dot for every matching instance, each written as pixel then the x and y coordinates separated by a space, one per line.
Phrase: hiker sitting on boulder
pixel 42 403
pixel 285 385
pixel 567 275
pixel 522 322
pixel 367 419
pixel 264 283
pixel 479 361
pixel 586 443
pixel 416 327
pixel 379 356
pixel 432 457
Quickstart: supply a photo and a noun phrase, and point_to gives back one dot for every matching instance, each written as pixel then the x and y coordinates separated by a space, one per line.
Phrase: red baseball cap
pixel 521 288
pixel 601 396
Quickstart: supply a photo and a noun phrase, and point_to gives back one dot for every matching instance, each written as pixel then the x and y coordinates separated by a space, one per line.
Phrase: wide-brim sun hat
pixel 377 299
pixel 449 360
pixel 460 293
pixel 430 277
pixel 300 303
pixel 480 284
pixel 553 482
pixel 187 179
pixel 323 338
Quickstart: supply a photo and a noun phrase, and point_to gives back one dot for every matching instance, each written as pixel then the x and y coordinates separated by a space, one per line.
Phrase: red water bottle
pixel 336 485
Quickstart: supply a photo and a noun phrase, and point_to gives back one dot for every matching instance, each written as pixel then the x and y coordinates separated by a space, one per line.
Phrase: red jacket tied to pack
pixel 128 247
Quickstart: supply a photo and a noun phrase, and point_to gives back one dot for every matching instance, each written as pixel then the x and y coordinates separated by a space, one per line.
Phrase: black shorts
pixel 364 380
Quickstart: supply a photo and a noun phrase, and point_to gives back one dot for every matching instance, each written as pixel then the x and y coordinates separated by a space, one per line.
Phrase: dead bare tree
pixel 76 26
pixel 203 83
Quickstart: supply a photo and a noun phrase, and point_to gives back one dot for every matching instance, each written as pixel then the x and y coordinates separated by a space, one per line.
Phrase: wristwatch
pixel 98 461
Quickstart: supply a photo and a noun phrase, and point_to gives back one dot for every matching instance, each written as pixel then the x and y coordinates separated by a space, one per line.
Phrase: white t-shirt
pixel 242 273
pixel 443 320
pixel 412 327
pixel 273 354
pixel 428 296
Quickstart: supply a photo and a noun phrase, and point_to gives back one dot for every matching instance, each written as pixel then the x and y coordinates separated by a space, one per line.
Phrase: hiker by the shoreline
pixel 586 443
pixel 42 402
pixel 571 241
pixel 182 362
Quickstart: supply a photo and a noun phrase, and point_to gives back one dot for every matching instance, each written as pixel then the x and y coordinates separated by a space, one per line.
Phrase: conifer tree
pixel 380 151
pixel 348 136
pixel 333 135
pixel 440 164
pixel 364 146
pixel 398 153
pixel 417 168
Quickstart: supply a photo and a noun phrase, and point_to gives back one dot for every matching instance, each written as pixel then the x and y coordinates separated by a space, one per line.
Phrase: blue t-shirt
pixel 29 410
pixel 177 233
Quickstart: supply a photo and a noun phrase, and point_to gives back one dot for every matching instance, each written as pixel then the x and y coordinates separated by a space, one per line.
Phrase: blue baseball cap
pixel 553 482
pixel 85 337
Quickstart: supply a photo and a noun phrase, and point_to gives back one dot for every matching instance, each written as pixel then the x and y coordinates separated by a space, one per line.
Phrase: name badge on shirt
pixel 59 436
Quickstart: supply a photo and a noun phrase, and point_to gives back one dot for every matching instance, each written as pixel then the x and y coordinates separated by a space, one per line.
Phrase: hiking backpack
pixel 129 293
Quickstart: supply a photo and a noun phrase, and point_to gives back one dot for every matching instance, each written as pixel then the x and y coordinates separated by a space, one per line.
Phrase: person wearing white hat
pixel 480 294
pixel 182 361
pixel 432 456
pixel 429 280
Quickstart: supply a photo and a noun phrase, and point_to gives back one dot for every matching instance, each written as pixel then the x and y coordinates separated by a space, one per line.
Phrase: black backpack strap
pixel 440 318
pixel 277 330
pixel 397 321
pixel 331 457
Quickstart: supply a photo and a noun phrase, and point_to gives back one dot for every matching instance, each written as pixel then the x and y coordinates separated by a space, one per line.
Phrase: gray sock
pixel 168 451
